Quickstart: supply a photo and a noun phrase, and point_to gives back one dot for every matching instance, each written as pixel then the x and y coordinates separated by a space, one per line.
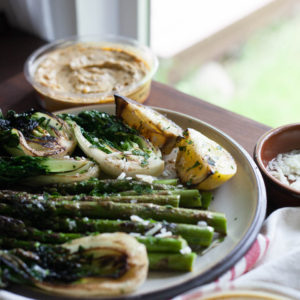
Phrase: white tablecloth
pixel 271 265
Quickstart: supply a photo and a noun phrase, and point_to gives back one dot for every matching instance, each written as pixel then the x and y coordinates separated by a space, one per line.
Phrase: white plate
pixel 242 199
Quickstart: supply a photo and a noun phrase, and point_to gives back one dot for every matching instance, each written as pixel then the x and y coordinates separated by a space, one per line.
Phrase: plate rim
pixel 237 252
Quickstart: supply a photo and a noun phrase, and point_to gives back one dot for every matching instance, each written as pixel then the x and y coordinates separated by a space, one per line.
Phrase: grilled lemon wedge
pixel 161 131
pixel 203 163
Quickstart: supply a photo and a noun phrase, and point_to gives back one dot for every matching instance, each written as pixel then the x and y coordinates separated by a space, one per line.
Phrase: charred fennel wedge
pixel 161 131
pixel 36 134
pixel 38 171
pixel 105 264
pixel 114 146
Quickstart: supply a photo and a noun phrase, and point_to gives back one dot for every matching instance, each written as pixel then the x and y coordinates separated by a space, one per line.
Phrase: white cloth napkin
pixel 271 265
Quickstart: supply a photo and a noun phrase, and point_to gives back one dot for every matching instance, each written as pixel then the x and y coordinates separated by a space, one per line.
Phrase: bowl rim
pixel 258 159
pixel 122 42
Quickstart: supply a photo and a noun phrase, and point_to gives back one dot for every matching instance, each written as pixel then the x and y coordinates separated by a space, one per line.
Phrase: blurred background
pixel 242 55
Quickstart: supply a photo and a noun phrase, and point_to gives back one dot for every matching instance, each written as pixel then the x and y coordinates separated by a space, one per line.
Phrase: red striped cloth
pixel 252 257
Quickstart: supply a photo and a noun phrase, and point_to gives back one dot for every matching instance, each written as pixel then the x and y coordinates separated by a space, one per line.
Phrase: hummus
pixel 89 69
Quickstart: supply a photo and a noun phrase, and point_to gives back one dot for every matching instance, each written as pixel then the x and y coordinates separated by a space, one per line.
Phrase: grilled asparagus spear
pixel 107 186
pixel 168 199
pixel 196 236
pixel 96 187
pixel 158 261
pixel 111 210
pixel 12 227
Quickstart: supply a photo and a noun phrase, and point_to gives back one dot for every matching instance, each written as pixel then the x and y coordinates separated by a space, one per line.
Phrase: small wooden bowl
pixel 278 140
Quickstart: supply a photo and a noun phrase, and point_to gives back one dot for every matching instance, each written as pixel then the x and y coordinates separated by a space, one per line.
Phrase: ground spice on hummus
pixel 89 69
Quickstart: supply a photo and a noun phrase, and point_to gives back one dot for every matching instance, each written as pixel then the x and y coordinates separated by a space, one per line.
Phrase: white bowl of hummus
pixel 89 70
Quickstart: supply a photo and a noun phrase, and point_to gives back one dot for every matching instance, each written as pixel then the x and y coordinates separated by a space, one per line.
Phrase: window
pixel 241 55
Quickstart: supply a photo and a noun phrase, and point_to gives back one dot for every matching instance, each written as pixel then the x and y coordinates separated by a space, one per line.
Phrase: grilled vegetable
pixel 107 186
pixel 37 171
pixel 133 188
pixel 114 146
pixel 168 199
pixel 16 228
pixel 12 202
pixel 195 235
pixel 187 198
pixel 154 126
pixel 106 264
pixel 11 227
pixel 202 163
pixel 44 231
pixel 36 134
pixel 158 261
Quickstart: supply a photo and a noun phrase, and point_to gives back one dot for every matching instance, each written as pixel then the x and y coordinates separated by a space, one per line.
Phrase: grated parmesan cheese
pixel 164 234
pixel 286 168
pixel 145 178
pixel 41 270
pixel 186 250
pixel 127 152
pixel 202 224
pixel 121 176
pixel 138 219
pixel 165 173
pixel 157 227
pixel 71 224
pixel 135 234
